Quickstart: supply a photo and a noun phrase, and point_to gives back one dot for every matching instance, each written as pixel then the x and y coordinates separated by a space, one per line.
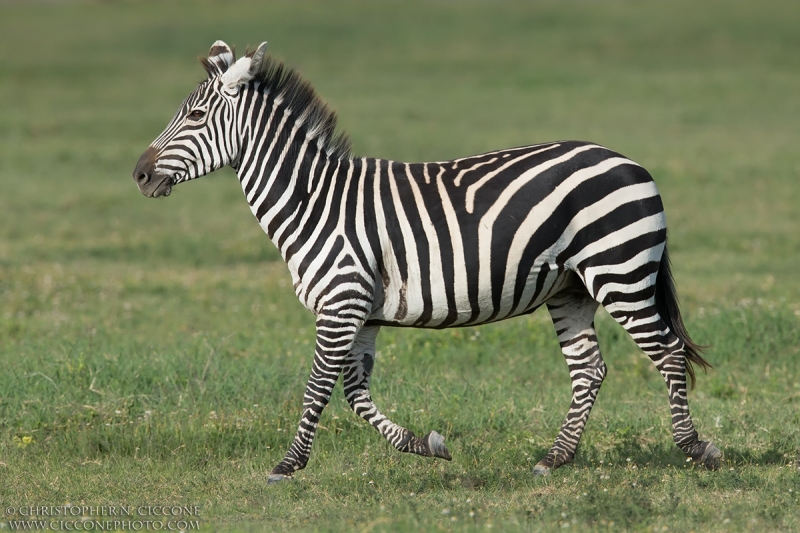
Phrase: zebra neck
pixel 286 177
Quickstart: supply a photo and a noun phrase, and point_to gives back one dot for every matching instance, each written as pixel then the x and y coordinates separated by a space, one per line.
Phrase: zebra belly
pixel 403 304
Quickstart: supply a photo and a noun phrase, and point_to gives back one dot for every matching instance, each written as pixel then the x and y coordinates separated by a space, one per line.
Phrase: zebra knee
pixel 359 371
pixel 355 381
pixel 600 370
pixel 360 401
pixel 587 368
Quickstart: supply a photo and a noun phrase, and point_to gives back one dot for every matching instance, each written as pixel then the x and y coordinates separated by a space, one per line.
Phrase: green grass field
pixel 153 352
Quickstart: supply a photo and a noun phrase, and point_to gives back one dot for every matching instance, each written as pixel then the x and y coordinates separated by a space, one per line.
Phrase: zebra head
pixel 201 137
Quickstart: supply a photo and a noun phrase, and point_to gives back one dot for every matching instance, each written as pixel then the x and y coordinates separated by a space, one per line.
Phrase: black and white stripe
pixel 373 243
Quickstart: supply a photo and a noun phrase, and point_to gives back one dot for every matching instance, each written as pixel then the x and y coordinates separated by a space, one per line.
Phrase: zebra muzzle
pixel 157 186
pixel 151 183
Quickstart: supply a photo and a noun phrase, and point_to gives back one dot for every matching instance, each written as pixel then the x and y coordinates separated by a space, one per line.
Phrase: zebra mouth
pixel 157 186
pixel 163 188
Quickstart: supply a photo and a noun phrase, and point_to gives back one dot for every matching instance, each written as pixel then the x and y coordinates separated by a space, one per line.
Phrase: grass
pixel 153 352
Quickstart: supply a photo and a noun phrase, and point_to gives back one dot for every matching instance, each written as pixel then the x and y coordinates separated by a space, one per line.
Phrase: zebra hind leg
pixel 573 312
pixel 668 353
pixel 356 379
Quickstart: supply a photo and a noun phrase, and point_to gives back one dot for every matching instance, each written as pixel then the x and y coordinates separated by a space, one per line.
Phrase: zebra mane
pixel 290 87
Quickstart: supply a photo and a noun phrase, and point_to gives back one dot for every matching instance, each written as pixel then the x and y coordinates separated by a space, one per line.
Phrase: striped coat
pixel 372 243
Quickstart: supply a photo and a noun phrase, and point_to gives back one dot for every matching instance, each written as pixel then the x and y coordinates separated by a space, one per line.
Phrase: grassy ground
pixel 153 352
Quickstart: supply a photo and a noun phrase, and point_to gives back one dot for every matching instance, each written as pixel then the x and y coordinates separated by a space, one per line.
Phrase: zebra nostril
pixel 144 170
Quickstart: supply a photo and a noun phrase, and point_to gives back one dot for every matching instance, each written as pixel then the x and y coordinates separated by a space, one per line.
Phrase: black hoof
pixel 435 443
pixel 711 457
pixel 276 478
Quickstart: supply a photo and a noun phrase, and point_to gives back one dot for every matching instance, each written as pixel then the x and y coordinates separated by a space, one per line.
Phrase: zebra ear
pixel 257 59
pixel 220 59
pixel 245 69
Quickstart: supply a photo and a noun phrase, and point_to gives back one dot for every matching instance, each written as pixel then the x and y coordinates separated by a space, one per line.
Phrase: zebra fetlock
pixel 711 457
pixel 431 445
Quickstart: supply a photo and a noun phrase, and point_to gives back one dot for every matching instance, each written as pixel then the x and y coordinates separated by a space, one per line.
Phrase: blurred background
pixel 182 306
pixel 704 96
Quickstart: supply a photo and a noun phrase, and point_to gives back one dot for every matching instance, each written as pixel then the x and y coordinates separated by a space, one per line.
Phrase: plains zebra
pixel 372 243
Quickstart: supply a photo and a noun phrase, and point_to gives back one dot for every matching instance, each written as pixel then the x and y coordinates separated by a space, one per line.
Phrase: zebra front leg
pixel 573 317
pixel 356 378
pixel 334 341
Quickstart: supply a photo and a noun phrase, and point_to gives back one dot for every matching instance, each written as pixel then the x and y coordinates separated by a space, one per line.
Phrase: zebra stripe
pixel 372 242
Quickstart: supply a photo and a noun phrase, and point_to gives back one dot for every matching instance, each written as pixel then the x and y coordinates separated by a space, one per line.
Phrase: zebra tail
pixel 668 308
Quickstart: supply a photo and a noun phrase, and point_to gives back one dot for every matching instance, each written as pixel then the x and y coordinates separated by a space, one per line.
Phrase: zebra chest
pixel 327 274
pixel 309 285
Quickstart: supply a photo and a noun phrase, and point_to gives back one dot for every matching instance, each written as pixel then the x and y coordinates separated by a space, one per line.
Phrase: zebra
pixel 372 242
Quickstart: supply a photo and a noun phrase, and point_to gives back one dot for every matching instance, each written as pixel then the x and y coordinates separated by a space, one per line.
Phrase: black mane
pixel 276 77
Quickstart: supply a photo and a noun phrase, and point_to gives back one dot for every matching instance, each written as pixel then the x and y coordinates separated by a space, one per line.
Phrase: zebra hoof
pixel 436 446
pixel 276 478
pixel 711 458
pixel 541 470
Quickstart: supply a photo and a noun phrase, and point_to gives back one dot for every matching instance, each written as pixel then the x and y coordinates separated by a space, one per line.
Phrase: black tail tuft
pixel 667 306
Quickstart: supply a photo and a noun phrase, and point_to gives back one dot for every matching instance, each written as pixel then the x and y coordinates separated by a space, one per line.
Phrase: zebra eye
pixel 197 113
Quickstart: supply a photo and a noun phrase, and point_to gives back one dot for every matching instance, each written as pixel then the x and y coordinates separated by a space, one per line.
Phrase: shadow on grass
pixel 629 450
pixel 774 455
